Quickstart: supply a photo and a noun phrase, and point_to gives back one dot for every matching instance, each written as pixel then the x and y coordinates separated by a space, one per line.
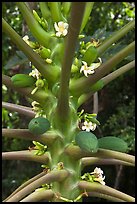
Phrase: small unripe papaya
pixel 90 55
pixel 45 53
pixel 23 80
pixel 74 68
pixel 39 125
pixel 55 89
pixel 87 141
pixel 39 83
pixel 113 143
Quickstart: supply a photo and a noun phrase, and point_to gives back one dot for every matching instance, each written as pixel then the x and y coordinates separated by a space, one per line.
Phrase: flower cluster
pixel 96 175
pixel 89 126
pixel 87 70
pixel 90 69
pixel 38 109
pixel 39 83
pixel 40 148
pixel 33 45
pixel 35 73
pixel 90 121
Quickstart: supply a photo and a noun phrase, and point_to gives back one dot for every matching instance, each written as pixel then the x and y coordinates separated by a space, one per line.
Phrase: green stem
pixel 47 71
pixel 18 108
pixel 104 81
pixel 83 84
pixel 25 155
pixel 39 196
pixel 110 77
pixel 77 153
pixel 25 184
pixel 115 37
pixel 88 186
pixel 44 10
pixel 66 8
pixel 40 96
pixel 87 12
pixel 100 161
pixel 38 32
pixel 56 11
pixel 73 31
pixel 104 196
pixel 56 175
pixel 47 138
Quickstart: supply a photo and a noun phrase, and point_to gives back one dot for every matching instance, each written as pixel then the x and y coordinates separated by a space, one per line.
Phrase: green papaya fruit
pixel 45 53
pixel 55 89
pixel 39 83
pixel 87 141
pixel 23 80
pixel 112 143
pixel 90 55
pixel 39 125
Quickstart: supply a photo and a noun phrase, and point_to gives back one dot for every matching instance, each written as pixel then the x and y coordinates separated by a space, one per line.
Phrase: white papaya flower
pixel 89 126
pixel 61 28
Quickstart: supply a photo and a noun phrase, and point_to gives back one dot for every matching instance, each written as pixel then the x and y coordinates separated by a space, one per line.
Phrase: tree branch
pixel 87 161
pixel 95 103
pixel 77 11
pixel 105 80
pixel 104 196
pixel 47 71
pixel 41 96
pixel 55 175
pixel 25 184
pixel 77 153
pixel 115 37
pixel 83 85
pixel 25 155
pixel 88 186
pixel 39 196
pixel 110 77
pixel 38 32
pixel 20 109
pixel 47 138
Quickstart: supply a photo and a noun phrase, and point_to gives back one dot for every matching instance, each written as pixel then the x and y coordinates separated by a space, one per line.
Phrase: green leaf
pixel 18 59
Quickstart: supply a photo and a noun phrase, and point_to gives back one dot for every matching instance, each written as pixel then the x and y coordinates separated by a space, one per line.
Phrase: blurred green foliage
pixel 116 100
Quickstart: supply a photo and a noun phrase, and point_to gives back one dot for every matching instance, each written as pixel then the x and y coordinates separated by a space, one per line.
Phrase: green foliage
pixel 110 15
pixel 122 124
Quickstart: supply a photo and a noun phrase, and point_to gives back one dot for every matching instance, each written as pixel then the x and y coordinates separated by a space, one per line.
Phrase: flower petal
pixel 61 24
pixel 58 34
pixel 56 26
pixel 85 73
pixel 65 32
pixel 83 127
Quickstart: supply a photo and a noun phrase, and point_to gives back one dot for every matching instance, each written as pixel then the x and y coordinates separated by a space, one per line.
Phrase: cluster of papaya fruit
pixel 88 142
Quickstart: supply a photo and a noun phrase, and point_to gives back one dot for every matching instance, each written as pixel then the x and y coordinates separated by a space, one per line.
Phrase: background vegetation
pixel 116 100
